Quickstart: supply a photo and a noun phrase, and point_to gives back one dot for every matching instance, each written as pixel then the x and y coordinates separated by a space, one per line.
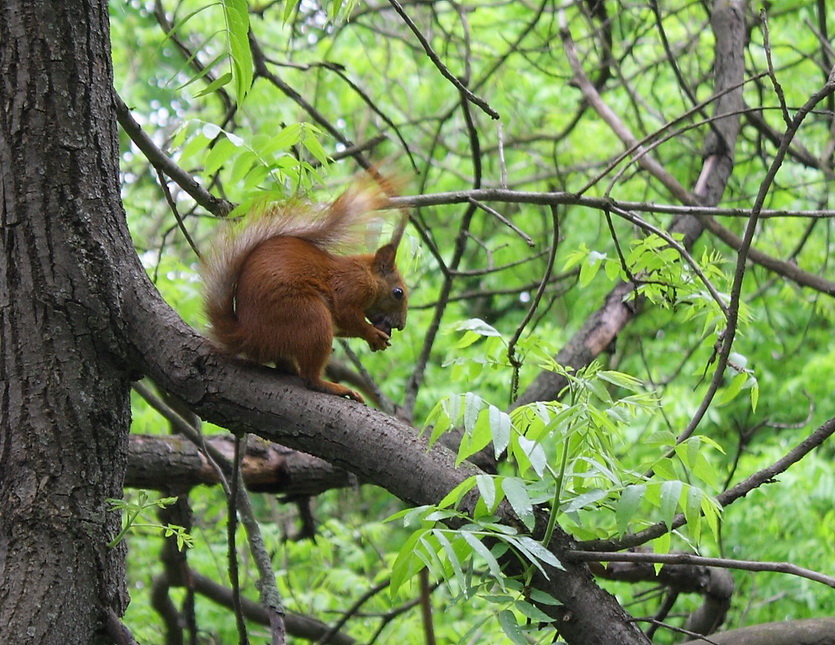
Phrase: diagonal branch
pixel 163 163
pixel 436 60
pixel 764 476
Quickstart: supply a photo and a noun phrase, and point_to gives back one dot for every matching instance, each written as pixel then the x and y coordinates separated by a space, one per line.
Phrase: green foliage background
pixel 366 74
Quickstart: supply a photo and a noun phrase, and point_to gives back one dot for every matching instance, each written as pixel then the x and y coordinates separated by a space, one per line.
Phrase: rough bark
pixel 813 631
pixel 377 448
pixel 65 257
pixel 64 392
pixel 174 464
pixel 714 584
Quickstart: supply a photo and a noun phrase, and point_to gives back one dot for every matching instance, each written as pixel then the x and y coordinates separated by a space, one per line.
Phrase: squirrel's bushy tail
pixel 333 227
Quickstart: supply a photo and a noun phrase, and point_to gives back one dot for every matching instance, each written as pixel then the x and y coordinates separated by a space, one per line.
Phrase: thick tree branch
pixel 248 398
pixel 170 463
pixel 715 585
pixel 813 631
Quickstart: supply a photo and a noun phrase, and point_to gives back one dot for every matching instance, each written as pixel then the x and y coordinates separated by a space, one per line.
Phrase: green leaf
pixel 207 69
pixel 730 393
pixel 405 564
pixel 289 7
pixel 543 598
pixel 474 440
pixel 454 496
pixel 441 426
pixel 492 564
pixel 664 468
pixel 534 453
pixel 590 267
pixel 312 144
pixel 694 445
pixel 517 494
pixel 286 137
pixel 620 379
pixel 500 427
pixel 218 155
pixel 585 499
pixel 452 556
pixel 478 326
pixel 693 512
pixel 195 147
pixel 576 257
pixel 236 13
pixel 535 552
pixel 530 611
pixel 511 628
pixel 703 469
pixel 627 505
pixel 670 495
pixel 215 85
pixel 487 489
pixel 244 162
pixel 452 405
pixel 473 404
pixel 612 269
pixel 407 513
pixel 662 546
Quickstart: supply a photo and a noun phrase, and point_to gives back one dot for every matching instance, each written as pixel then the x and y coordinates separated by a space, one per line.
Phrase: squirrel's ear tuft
pixel 384 259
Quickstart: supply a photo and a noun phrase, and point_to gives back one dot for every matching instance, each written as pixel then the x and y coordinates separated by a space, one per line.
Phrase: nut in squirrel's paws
pixel 380 339
pixel 383 323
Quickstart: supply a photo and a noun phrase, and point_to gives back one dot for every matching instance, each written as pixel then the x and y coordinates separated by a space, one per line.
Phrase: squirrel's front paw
pixel 378 339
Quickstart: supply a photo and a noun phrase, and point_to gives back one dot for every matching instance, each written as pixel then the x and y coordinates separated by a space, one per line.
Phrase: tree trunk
pixel 64 386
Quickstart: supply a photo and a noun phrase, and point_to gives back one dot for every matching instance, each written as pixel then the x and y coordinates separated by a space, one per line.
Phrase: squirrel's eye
pixel 397 292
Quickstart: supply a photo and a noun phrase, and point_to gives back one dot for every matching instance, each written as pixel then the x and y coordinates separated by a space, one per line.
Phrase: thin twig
pixel 492 211
pixel 727 338
pixel 232 546
pixel 697 560
pixel 270 598
pixel 472 98
pixel 546 198
pixel 515 362
pixel 778 89
pixel 176 211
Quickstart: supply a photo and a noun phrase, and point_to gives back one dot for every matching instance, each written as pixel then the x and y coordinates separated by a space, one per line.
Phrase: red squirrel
pixel 276 292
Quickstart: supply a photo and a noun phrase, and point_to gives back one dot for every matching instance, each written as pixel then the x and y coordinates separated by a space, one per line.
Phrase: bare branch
pixel 687 558
pixel 440 65
pixel 163 163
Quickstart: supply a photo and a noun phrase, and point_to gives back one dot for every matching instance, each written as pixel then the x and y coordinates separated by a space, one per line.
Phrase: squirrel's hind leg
pixel 312 350
pixel 286 366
